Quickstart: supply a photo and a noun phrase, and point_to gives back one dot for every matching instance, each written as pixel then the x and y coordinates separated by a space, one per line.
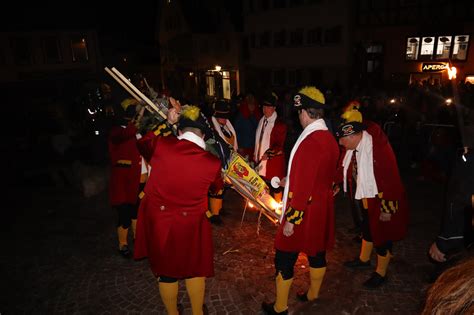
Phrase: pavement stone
pixel 60 257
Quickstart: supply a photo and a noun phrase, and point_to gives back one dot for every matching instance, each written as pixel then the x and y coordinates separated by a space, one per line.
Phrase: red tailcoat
pixel 172 229
pixel 313 172
pixel 126 165
pixel 276 165
pixel 389 182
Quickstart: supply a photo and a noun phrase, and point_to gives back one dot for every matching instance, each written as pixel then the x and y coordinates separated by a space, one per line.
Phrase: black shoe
pixel 180 309
pixel 125 251
pixel 216 219
pixel 302 296
pixel 269 310
pixel 357 264
pixel 375 281
pixel 205 310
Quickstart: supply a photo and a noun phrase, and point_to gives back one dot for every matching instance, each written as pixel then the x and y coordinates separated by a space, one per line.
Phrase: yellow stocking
pixel 382 264
pixel 134 227
pixel 196 287
pixel 215 205
pixel 122 236
pixel 169 296
pixel 282 291
pixel 316 275
pixel 366 250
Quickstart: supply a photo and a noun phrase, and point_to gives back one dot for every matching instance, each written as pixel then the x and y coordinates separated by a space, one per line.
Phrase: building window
pixel 296 37
pixel 51 50
pixel 279 4
pixel 226 84
pixel 210 83
pixel 461 43
pixel 21 48
pixel 413 46
pixel 279 38
pixel 333 35
pixel 279 77
pixel 265 39
pixel 79 49
pixel 373 65
pixel 427 48
pixel 375 49
pixel 315 36
pixel 443 47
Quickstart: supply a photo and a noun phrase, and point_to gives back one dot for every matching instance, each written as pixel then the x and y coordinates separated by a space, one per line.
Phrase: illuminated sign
pixel 433 66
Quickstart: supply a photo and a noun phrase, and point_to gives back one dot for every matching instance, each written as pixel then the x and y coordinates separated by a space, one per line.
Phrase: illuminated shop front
pixel 433 55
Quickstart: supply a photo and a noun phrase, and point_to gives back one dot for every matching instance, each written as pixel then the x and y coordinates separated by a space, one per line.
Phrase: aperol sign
pixel 433 66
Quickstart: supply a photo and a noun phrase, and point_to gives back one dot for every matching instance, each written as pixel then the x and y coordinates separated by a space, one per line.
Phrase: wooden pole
pixel 137 91
pixel 122 84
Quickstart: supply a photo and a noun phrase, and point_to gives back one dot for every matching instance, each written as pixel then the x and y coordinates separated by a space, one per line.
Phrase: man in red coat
pixel 173 231
pixel 307 223
pixel 269 143
pixel 369 161
pixel 126 167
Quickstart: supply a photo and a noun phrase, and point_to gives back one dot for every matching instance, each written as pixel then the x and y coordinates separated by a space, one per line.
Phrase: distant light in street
pixel 191 74
pixel 218 68
pixel 452 72
pixel 464 158
pixel 392 101
pixel 97 132
pixel 249 204
pixel 448 101
pixel 91 112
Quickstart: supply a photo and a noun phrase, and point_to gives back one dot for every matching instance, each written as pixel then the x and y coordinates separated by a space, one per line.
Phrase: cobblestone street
pixel 59 257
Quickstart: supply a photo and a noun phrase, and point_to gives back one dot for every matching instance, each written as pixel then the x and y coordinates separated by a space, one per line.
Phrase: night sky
pixel 133 22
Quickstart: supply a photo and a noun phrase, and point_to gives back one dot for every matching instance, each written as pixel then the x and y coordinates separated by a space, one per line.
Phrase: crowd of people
pixel 317 142
pixel 315 147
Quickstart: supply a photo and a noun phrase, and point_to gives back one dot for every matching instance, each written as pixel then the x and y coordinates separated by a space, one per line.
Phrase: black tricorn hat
pixel 191 116
pixel 270 99
pixel 221 109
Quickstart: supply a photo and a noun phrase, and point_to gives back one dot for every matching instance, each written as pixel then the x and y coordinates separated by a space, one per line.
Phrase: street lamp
pixel 217 68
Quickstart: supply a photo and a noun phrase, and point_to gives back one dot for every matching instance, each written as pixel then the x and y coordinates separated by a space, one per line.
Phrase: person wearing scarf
pixel 307 222
pixel 223 127
pixel 270 138
pixel 173 231
pixel 370 164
